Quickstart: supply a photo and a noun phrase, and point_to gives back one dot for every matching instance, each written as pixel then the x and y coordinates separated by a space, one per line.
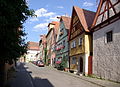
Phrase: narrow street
pixel 47 77
pixel 30 75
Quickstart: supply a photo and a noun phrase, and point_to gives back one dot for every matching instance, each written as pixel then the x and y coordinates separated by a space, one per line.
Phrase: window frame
pixel 109 36
pixel 80 41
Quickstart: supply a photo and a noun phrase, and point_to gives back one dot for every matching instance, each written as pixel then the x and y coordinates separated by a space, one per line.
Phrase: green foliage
pixel 13 14
pixel 63 64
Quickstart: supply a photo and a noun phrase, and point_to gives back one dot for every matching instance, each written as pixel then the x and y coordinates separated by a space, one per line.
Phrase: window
pixel 74 60
pixel 80 41
pixel 64 43
pixel 61 32
pixel 109 36
pixel 73 44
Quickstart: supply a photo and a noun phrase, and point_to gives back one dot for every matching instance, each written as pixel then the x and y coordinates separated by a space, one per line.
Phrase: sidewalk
pixel 99 82
pixel 21 78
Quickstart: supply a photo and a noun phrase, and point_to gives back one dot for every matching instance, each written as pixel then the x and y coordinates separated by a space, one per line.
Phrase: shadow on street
pixel 39 82
pixel 24 78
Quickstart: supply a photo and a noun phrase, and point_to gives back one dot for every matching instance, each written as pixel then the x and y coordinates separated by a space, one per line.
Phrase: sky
pixel 48 11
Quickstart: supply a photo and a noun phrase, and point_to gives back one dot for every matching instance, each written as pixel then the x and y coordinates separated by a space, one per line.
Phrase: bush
pixel 63 64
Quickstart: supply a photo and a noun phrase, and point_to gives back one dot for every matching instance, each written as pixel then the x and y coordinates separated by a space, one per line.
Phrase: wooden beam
pixel 104 11
pixel 98 12
pixel 112 7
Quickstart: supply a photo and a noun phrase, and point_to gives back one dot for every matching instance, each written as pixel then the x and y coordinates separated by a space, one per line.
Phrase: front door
pixel 81 64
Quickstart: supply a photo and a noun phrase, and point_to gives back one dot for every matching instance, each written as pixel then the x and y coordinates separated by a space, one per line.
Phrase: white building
pixel 106 40
pixel 33 51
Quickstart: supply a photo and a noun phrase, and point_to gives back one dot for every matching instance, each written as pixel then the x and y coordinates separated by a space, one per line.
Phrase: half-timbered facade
pixel 106 40
pixel 80 40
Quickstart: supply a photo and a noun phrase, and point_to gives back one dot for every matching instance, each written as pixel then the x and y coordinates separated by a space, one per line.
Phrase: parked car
pixel 40 63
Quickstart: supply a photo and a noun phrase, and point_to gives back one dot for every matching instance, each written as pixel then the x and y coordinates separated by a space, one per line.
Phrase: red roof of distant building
pixel 56 27
pixel 33 45
pixel 66 21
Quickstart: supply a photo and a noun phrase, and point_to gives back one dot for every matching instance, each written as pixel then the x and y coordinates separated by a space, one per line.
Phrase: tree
pixel 13 13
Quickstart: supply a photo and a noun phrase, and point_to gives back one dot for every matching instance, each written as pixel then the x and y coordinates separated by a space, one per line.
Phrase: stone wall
pixel 106 56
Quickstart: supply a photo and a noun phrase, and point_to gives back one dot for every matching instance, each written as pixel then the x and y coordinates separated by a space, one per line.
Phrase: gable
pixel 62 31
pixel 66 21
pixel 106 10
pixel 82 19
pixel 76 27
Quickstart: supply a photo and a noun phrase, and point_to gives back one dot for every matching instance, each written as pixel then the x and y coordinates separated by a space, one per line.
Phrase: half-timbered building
pixel 106 40
pixel 80 47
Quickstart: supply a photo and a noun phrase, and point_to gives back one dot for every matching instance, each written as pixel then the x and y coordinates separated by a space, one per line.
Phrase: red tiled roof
pixel 33 45
pixel 53 23
pixel 66 21
pixel 86 17
pixel 56 23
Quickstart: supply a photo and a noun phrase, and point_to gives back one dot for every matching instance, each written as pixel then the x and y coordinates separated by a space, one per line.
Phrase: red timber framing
pixel 108 11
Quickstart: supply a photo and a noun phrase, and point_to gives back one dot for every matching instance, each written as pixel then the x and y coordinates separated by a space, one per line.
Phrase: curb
pixel 68 73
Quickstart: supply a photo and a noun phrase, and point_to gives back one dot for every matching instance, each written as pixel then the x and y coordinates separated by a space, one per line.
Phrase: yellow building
pixel 80 41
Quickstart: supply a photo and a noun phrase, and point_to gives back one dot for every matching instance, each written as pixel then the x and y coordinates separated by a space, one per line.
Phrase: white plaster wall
pixel 106 56
pixel 31 55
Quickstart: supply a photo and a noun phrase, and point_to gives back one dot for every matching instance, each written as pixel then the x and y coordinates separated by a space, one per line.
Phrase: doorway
pixel 81 64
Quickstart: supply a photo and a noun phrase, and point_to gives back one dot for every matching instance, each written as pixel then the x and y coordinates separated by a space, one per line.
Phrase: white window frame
pixel 73 44
pixel 105 35
pixel 80 41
